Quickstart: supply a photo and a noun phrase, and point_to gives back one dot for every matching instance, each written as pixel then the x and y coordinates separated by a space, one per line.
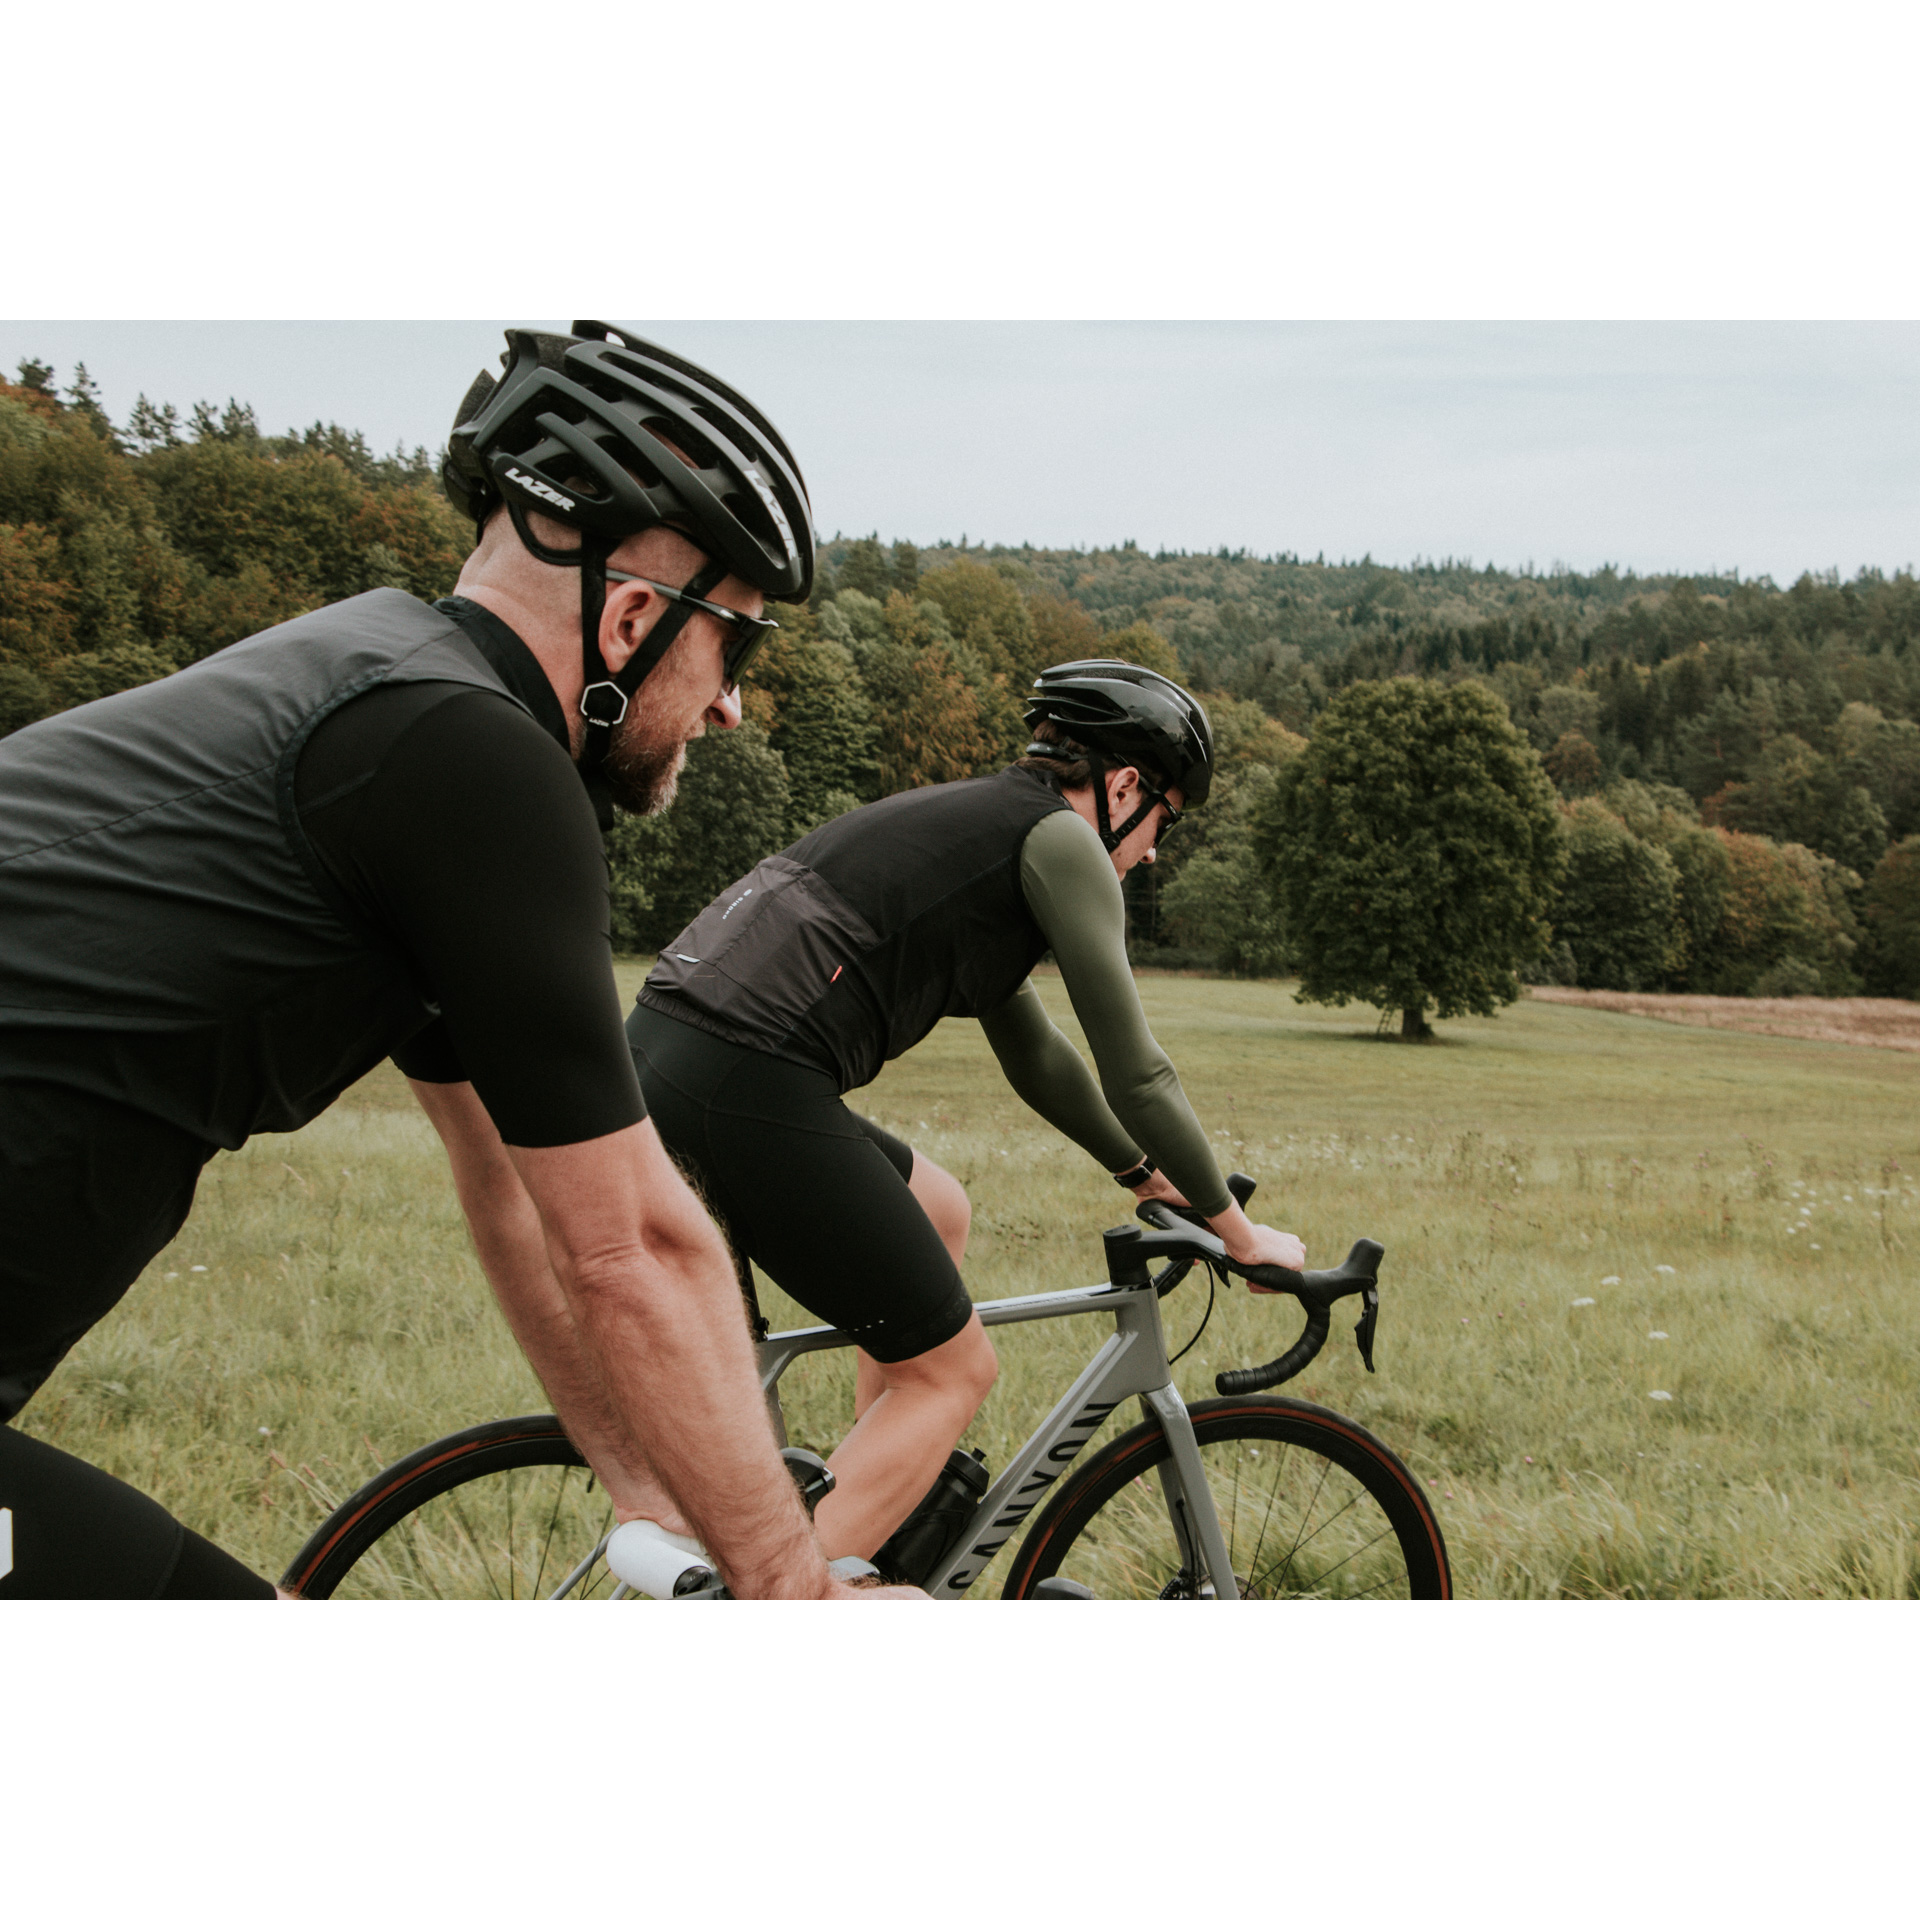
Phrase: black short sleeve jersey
pixel 459 831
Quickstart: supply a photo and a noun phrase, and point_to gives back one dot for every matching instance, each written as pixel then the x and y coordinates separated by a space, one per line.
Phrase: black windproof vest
pixel 168 937
pixel 848 948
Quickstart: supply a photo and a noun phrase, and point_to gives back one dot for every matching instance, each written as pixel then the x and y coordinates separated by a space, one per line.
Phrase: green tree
pixel 826 736
pixel 1619 903
pixel 1890 906
pixel 1798 794
pixel 730 814
pixel 1572 764
pixel 1703 878
pixel 1063 630
pixel 1145 646
pixel 1416 851
pixel 1784 907
pixel 79 677
pixel 864 568
pixel 36 619
pixel 83 397
pixel 988 613
pixel 150 428
pixel 1218 902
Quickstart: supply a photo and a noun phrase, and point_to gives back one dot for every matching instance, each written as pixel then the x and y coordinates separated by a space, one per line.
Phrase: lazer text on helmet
pixel 540 489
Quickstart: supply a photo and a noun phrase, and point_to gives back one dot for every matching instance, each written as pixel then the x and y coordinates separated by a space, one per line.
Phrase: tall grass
pixel 1751 1200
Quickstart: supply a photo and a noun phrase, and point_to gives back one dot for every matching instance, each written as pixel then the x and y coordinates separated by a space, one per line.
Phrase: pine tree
pixel 151 428
pixel 84 399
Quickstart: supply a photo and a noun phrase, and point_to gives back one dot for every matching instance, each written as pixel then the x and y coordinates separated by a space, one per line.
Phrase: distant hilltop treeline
pixel 1789 715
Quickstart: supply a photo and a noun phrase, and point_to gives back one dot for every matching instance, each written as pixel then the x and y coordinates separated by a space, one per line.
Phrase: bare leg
pixel 909 1413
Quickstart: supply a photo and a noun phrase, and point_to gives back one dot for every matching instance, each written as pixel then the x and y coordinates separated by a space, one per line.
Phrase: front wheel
pixel 505 1511
pixel 1313 1508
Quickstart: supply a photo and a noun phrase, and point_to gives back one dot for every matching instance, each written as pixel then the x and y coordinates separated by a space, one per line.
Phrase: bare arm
pixel 617 1283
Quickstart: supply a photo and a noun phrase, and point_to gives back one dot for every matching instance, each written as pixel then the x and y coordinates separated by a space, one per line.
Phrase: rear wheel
pixel 1313 1508
pixel 505 1511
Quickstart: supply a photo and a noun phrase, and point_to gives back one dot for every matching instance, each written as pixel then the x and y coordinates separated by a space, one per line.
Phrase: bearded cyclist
pixel 801 980
pixel 376 831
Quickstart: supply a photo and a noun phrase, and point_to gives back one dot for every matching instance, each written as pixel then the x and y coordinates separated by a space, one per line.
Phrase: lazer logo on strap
pixel 540 490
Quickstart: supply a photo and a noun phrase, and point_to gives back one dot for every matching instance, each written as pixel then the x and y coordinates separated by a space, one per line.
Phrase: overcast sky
pixel 1769 446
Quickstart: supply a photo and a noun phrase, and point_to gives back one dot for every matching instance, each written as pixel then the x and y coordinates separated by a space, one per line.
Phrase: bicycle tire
pixel 1376 1536
pixel 503 1511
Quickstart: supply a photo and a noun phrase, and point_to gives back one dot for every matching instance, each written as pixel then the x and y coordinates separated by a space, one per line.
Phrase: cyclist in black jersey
pixel 802 979
pixel 376 830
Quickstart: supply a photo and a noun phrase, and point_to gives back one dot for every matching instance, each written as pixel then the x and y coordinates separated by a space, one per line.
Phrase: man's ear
pixel 626 619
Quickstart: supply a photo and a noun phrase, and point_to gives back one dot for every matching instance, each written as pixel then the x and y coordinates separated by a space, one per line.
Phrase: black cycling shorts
pixel 814 1195
pixel 75 1533
pixel 90 1191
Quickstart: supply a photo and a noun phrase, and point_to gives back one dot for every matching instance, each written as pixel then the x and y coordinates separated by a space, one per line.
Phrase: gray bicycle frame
pixel 1133 1361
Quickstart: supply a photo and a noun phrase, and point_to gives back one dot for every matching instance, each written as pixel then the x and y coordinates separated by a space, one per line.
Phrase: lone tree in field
pixel 1414 852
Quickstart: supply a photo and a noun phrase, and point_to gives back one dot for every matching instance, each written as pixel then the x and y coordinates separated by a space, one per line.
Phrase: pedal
pixel 1059 1588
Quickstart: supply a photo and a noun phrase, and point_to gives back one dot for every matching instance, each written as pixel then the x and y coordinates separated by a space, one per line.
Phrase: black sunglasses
pixel 1174 814
pixel 745 634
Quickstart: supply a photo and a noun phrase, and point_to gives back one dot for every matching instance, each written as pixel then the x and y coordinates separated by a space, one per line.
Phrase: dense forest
pixel 1739 762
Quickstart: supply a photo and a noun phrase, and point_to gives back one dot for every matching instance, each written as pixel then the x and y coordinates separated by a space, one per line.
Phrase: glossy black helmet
pixel 1132 717
pixel 589 428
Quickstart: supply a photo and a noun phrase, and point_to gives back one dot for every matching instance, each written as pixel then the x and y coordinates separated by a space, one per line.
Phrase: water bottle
pixel 926 1536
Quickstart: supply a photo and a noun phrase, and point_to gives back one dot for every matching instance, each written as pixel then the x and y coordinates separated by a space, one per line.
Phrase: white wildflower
pixel 1663 1269
pixel 1656 1336
pixel 1612 1280
pixel 196 1269
pixel 1585 1300
pixel 1659 1393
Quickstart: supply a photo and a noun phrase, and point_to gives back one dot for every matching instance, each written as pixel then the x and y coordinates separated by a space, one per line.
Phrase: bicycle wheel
pixel 1313 1507
pixel 504 1511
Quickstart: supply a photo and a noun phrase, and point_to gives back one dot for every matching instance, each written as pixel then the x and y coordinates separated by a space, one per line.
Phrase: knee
pixel 944 1201
pixel 975 1364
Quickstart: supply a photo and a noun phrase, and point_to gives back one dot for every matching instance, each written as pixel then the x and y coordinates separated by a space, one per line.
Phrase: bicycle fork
pixel 1204 1557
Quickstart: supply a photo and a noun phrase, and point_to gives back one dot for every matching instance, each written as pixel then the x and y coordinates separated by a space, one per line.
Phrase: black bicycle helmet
pixel 601 430
pixel 1128 716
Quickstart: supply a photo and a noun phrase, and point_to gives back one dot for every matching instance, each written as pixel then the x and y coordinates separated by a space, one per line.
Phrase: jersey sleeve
pixel 1045 1069
pixel 1074 894
pixel 473 846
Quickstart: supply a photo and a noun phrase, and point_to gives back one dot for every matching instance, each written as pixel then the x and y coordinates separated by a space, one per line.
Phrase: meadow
pixel 1649 1321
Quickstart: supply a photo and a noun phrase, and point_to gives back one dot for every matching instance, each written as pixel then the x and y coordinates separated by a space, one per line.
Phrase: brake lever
pixel 1369 1318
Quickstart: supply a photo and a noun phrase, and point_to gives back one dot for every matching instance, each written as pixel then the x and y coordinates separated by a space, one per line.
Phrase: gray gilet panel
pixel 167 937
pixel 850 947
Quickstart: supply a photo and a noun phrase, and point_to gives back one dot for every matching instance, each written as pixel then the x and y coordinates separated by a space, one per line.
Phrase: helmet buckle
pixel 608 712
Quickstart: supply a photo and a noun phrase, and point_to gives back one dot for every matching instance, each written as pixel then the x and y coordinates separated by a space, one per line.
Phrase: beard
pixel 642 767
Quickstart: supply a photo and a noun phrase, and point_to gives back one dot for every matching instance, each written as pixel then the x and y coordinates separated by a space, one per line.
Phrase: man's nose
pixel 725 712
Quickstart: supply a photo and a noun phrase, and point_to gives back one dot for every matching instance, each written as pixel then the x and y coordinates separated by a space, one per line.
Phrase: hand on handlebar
pixel 1256 1246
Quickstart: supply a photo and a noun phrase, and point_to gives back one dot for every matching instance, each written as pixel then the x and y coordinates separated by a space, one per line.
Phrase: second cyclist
pixel 804 978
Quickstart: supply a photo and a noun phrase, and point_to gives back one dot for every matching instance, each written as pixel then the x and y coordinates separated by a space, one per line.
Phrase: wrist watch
pixel 1136 1176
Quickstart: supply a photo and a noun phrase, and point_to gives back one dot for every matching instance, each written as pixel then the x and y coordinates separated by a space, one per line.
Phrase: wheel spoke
pixel 1114 1529
pixel 1372 1541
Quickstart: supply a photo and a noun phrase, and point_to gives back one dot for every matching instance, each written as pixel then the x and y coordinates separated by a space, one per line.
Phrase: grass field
pixel 1583 1213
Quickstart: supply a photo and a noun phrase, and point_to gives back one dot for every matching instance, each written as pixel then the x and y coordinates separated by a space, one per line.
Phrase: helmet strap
pixel 1111 836
pixel 603 701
